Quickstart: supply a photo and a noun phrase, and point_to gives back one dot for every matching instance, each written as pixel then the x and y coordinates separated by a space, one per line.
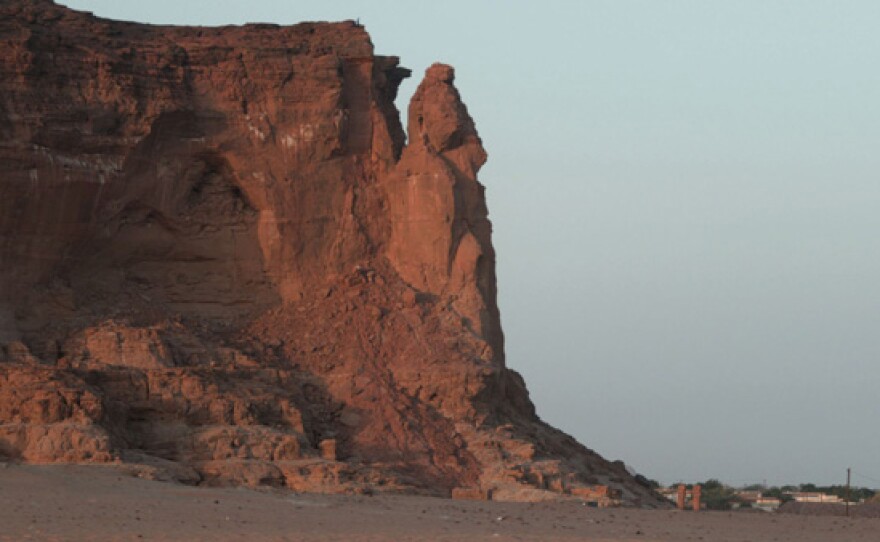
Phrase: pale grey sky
pixel 686 206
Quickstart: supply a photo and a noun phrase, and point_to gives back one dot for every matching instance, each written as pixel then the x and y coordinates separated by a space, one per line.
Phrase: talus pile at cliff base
pixel 222 260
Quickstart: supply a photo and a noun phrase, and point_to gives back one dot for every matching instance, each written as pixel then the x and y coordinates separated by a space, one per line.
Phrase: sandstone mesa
pixel 224 261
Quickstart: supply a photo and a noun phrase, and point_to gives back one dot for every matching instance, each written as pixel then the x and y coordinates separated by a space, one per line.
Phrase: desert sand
pixel 106 503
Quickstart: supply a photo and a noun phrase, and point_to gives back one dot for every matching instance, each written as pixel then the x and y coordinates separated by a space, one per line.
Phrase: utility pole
pixel 847 491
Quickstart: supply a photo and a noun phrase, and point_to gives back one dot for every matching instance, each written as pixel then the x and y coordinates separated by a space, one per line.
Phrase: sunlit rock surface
pixel 222 259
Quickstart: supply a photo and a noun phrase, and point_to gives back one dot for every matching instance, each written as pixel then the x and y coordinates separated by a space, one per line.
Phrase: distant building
pixel 668 492
pixel 804 496
pixel 748 496
pixel 768 504
pixel 756 500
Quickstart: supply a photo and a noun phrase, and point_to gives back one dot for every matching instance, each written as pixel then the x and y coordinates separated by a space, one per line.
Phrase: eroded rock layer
pixel 221 260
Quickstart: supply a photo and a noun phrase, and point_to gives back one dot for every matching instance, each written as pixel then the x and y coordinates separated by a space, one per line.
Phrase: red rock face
pixel 223 261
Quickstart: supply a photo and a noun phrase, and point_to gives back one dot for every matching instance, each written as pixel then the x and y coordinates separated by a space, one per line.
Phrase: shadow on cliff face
pixel 6 125
pixel 176 237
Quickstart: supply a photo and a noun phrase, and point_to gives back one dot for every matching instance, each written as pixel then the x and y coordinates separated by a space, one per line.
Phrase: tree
pixel 716 495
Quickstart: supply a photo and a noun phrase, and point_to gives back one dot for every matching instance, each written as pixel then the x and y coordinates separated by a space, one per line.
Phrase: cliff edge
pixel 223 260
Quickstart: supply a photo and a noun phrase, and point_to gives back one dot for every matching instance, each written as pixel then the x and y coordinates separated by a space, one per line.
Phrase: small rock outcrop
pixel 223 260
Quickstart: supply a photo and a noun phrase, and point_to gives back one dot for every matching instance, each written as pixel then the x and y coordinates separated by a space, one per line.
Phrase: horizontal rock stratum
pixel 224 260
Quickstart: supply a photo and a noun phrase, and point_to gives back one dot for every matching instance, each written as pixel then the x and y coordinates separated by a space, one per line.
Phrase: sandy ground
pixel 105 503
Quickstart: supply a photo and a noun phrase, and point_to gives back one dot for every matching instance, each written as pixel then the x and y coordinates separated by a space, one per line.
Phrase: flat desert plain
pixel 110 503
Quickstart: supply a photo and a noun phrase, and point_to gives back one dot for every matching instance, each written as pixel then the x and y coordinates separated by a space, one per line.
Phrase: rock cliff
pixel 223 260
